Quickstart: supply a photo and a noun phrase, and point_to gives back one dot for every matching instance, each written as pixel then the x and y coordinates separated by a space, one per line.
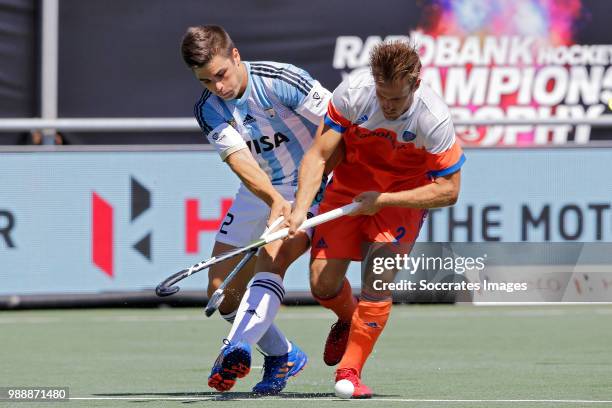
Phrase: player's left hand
pixel 370 203
pixel 280 207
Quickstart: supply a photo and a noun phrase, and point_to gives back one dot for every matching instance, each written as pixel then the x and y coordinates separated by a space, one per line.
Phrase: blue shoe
pixel 278 369
pixel 233 362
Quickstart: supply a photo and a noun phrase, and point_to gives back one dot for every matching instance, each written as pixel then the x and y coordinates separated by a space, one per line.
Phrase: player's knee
pixel 276 262
pixel 324 286
pixel 279 264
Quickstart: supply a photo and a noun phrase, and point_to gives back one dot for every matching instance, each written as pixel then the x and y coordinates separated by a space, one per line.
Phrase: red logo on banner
pixel 102 234
pixel 103 239
pixel 194 225
pixel 102 227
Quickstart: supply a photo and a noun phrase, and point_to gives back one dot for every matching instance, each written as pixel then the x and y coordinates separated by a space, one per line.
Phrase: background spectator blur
pixel 35 137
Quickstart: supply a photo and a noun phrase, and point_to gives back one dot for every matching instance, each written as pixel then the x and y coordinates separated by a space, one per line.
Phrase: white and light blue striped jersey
pixel 276 118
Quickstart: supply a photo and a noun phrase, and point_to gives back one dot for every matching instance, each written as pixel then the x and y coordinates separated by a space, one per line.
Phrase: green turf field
pixel 428 356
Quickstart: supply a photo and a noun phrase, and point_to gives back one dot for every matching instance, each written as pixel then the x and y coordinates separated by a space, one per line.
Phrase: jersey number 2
pixel 229 218
pixel 401 232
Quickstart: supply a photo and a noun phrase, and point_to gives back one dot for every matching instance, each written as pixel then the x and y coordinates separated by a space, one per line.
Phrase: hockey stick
pixel 217 297
pixel 167 288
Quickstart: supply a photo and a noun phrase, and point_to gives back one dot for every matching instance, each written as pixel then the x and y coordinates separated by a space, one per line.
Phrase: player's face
pixel 223 76
pixel 395 97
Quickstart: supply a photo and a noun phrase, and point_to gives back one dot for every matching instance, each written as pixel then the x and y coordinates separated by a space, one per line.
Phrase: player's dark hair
pixel 200 44
pixel 395 60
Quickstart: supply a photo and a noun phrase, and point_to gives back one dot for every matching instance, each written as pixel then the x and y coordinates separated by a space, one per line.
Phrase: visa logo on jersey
pixel 267 143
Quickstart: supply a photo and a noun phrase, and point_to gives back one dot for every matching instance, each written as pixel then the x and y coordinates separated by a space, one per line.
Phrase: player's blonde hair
pixel 394 60
pixel 200 44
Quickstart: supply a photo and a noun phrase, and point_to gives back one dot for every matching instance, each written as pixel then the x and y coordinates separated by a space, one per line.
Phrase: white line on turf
pixel 405 312
pixel 520 303
pixel 386 400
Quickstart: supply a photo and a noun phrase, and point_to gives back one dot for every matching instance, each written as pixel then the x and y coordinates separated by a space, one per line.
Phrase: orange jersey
pixel 389 155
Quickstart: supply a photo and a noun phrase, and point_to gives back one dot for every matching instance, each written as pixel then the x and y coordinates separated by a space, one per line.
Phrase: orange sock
pixel 343 304
pixel 368 322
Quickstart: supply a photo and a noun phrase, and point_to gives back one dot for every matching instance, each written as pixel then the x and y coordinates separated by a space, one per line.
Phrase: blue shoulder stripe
pixel 305 81
pixel 268 73
pixel 197 111
pixel 284 79
pixel 290 75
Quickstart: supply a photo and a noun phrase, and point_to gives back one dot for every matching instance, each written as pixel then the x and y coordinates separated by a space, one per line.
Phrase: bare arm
pixel 256 180
pixel 315 161
pixel 444 191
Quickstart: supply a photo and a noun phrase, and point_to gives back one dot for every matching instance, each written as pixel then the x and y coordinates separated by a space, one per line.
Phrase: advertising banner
pixel 507 60
pixel 104 221
pixel 522 59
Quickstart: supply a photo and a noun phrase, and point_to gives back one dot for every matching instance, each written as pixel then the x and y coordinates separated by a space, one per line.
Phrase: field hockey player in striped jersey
pixel 261 117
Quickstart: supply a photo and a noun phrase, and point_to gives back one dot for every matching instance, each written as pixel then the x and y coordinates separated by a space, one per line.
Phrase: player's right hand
pixel 296 219
pixel 370 203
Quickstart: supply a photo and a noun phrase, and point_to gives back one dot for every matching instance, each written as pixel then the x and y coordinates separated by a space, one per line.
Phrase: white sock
pixel 272 343
pixel 258 308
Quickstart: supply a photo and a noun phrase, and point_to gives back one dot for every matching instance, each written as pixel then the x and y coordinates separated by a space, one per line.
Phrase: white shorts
pixel 247 217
